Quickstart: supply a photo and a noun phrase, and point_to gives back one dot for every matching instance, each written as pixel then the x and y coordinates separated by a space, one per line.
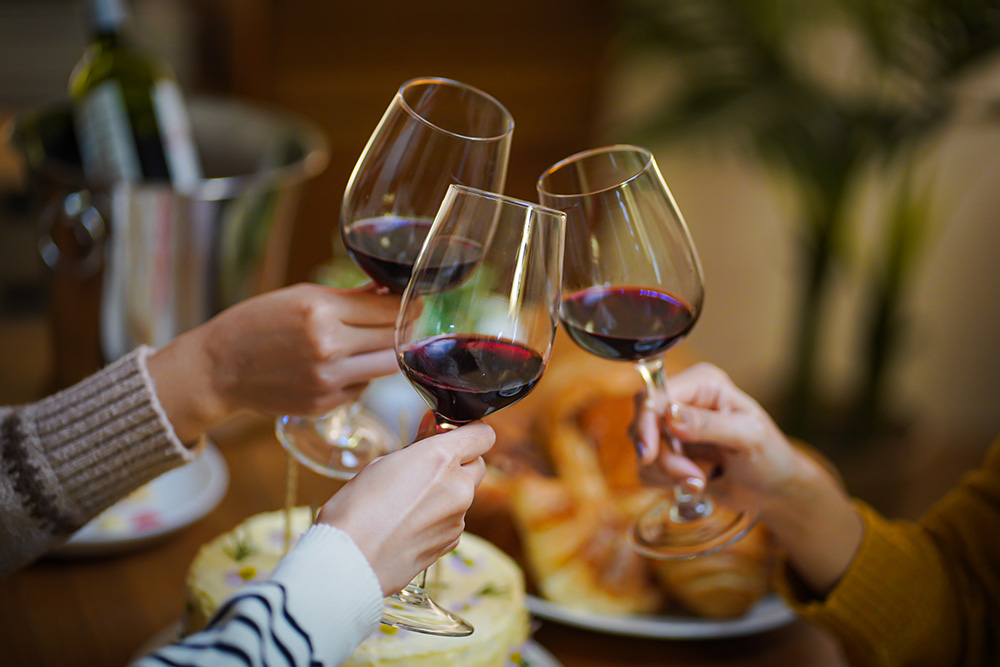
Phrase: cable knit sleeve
pixel 920 593
pixel 67 457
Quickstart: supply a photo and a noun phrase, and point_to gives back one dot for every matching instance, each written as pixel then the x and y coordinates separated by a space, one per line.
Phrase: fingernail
pixel 695 484
pixel 640 448
pixel 677 415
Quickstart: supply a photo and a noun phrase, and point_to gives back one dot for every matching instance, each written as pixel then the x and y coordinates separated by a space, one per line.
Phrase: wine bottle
pixel 129 113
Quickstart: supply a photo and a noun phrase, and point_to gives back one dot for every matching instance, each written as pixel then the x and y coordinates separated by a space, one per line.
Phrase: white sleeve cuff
pixel 333 593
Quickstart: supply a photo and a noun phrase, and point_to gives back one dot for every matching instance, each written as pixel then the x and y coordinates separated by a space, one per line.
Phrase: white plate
pixel 166 504
pixel 534 655
pixel 771 612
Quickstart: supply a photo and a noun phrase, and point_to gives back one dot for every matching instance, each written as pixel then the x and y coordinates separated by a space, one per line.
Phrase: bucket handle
pixel 84 225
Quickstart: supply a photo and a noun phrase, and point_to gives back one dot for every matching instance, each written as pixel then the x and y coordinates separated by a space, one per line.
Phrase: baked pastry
pixel 723 584
pixel 476 580
pixel 575 552
pixel 571 525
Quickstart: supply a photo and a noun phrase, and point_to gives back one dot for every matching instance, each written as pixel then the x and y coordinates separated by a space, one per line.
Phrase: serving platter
pixel 769 613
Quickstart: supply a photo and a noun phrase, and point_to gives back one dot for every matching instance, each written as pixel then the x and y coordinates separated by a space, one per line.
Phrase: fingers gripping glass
pixel 632 289
pixel 435 132
pixel 475 329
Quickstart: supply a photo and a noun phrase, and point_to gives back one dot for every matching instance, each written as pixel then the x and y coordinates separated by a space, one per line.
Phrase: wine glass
pixel 435 132
pixel 475 330
pixel 632 289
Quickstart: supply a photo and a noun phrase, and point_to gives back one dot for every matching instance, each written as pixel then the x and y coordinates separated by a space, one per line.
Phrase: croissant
pixel 571 525
pixel 723 584
pixel 574 550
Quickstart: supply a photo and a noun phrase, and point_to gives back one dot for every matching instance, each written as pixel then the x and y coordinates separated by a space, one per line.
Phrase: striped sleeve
pixel 254 628
pixel 321 602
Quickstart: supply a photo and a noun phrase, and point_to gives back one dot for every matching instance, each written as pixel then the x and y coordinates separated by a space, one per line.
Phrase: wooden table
pixel 99 611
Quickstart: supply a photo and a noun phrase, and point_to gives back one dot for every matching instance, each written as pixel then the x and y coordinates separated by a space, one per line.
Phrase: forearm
pixel 815 523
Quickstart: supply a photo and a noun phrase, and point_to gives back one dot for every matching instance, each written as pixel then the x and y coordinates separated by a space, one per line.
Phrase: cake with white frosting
pixel 476 580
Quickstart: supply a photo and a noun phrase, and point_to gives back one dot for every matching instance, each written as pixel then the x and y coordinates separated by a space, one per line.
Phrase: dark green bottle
pixel 130 117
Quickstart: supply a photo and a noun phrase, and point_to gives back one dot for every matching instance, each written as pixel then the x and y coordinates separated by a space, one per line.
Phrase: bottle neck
pixel 107 17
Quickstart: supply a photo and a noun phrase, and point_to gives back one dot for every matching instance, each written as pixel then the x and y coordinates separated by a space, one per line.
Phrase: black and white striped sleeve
pixel 254 628
pixel 321 602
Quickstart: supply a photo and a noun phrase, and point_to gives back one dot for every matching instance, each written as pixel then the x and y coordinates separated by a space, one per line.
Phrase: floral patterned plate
pixel 168 503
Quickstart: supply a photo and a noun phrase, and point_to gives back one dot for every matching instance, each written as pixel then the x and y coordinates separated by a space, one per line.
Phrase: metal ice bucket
pixel 170 261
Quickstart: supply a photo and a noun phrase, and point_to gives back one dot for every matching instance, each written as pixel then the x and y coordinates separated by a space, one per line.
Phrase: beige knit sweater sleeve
pixel 67 457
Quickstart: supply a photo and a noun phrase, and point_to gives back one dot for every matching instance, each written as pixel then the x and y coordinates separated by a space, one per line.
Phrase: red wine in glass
pixel 632 289
pixel 466 377
pixel 625 323
pixel 385 248
pixel 471 351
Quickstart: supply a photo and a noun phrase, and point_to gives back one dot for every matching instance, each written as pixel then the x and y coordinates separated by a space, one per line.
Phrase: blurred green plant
pixel 826 93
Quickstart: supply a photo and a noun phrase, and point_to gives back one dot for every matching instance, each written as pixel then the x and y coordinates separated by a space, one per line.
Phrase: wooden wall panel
pixel 339 63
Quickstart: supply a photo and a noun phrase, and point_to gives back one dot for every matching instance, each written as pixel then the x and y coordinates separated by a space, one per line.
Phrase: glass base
pixel 412 609
pixel 669 531
pixel 338 444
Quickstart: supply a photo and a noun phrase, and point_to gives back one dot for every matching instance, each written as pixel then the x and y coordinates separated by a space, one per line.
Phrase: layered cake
pixel 476 580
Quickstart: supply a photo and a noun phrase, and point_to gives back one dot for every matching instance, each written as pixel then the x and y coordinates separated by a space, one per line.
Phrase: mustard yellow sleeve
pixel 920 593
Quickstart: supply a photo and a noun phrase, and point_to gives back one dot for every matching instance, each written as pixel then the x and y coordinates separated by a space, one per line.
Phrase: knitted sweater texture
pixel 924 592
pixel 67 457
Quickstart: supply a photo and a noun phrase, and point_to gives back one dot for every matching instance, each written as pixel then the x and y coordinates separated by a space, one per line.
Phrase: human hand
pixel 299 350
pixel 803 505
pixel 406 509
pixel 727 432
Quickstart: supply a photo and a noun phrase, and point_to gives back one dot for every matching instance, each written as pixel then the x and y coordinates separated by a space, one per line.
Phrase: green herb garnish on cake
pixel 491 589
pixel 240 547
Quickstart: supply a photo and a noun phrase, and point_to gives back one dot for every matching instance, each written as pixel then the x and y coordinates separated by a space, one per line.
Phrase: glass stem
pixel 291 493
pixel 353 409
pixel 690 502
pixel 417 589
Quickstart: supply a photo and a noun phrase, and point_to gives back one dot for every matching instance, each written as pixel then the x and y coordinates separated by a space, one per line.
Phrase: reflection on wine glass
pixel 339 443
pixel 632 289
pixel 475 330
pixel 435 132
